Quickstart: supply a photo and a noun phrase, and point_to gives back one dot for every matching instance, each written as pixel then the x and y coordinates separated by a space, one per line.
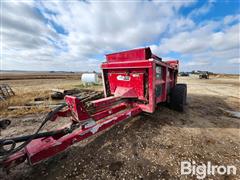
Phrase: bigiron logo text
pixel 202 170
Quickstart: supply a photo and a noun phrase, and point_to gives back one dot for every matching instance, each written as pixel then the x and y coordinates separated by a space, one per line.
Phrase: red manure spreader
pixel 134 81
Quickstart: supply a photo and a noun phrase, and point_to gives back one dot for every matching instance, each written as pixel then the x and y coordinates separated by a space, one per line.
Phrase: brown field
pixel 150 146
pixel 18 75
pixel 27 88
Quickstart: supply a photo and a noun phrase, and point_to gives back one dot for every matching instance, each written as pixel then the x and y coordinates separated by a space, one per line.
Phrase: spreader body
pixel 134 81
pixel 140 76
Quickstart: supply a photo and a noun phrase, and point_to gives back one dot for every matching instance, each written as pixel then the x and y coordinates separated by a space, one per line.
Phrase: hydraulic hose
pixel 13 150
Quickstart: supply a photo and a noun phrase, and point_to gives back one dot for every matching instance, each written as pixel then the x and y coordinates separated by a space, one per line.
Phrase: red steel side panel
pixel 129 65
pixel 132 55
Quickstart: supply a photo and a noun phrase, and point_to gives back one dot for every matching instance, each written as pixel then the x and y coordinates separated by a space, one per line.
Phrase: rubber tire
pixel 181 84
pixel 178 97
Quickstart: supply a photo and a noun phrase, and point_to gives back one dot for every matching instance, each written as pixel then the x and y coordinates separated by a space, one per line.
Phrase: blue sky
pixel 75 35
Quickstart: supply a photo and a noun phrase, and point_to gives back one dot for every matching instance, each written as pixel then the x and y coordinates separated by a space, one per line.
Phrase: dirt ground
pixel 151 146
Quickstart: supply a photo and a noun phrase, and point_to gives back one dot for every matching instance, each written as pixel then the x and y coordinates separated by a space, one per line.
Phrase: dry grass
pixel 27 90
pixel 21 99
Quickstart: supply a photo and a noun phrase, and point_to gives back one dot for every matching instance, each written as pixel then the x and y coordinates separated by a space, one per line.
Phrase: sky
pixel 75 35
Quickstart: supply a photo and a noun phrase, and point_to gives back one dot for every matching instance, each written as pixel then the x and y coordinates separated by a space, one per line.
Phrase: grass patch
pixel 27 90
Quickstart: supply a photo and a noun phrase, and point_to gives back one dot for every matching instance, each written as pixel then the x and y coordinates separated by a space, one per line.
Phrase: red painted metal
pixel 125 92
pixel 108 111
pixel 43 148
pixel 139 73
pixel 105 101
pixel 134 81
pixel 132 55
pixel 126 84
pixel 77 108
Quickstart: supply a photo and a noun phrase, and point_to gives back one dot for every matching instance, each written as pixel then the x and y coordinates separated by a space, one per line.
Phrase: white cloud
pixel 198 63
pixel 93 28
pixel 231 18
pixel 202 10
pixel 205 45
pixel 30 40
pixel 234 61
pixel 202 39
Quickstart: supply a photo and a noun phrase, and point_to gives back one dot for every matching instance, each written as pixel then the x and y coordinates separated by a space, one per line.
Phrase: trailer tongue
pixel 134 81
